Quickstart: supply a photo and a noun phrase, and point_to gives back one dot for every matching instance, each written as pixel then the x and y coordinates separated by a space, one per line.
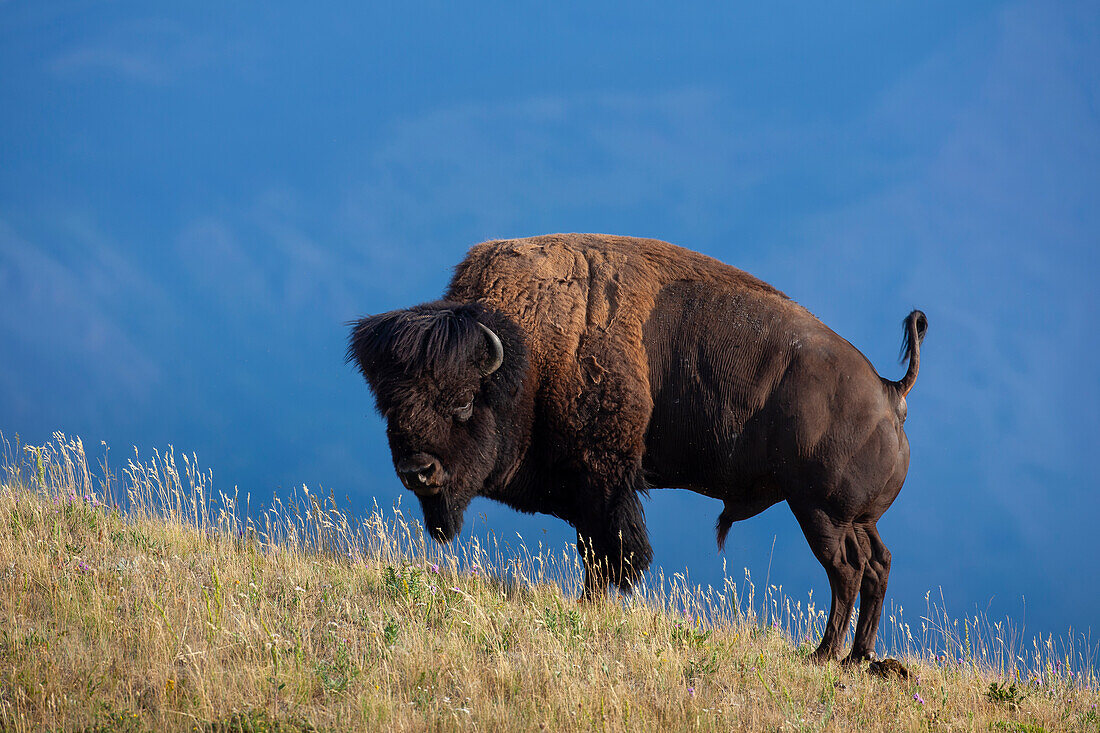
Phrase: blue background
pixel 193 201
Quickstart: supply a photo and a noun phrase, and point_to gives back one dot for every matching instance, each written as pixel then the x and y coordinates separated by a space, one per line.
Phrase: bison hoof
pixel 854 660
pixel 822 656
pixel 594 596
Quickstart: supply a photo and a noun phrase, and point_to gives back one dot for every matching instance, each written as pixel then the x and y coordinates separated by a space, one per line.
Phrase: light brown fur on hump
pixel 583 299
pixel 569 288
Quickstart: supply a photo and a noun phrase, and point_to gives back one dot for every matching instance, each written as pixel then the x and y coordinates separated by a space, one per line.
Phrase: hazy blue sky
pixel 194 200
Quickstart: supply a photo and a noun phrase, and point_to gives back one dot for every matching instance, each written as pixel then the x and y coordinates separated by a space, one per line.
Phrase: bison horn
pixel 496 351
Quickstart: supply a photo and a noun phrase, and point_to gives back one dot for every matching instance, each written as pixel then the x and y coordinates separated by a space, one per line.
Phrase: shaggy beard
pixel 443 515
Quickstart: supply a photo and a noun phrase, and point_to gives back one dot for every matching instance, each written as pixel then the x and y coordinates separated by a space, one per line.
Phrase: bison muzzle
pixel 569 373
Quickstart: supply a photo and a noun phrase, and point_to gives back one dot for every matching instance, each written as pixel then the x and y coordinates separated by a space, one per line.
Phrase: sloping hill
pixel 181 613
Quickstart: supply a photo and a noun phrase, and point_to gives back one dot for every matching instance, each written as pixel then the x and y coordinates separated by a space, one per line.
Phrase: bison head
pixel 444 376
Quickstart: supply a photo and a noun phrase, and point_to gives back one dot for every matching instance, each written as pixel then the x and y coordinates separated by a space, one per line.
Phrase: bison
pixel 567 374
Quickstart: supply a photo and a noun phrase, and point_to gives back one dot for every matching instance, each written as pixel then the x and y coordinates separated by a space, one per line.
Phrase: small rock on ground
pixel 889 668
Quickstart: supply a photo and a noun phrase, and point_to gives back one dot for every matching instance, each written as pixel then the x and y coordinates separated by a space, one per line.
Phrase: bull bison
pixel 567 374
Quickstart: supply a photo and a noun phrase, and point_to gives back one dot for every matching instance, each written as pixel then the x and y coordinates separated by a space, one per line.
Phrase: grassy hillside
pixel 181 613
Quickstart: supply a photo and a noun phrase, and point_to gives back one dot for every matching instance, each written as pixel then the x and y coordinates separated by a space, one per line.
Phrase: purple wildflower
pixel 691 692
pixel 918 698
pixel 433 567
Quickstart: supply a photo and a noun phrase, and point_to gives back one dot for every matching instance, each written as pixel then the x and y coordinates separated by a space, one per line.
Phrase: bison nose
pixel 421 473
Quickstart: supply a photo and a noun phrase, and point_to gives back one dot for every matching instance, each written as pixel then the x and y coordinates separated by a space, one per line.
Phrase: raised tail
pixel 916 325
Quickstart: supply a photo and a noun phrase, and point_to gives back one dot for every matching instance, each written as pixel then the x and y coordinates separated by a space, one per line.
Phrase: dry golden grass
pixel 182 613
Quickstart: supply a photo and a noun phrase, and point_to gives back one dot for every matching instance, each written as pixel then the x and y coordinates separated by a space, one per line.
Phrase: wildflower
pixel 433 567
pixel 691 692
pixel 918 698
pixel 456 589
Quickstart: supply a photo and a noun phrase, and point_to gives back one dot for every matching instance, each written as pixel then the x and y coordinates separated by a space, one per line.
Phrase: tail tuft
pixel 916 325
pixel 918 320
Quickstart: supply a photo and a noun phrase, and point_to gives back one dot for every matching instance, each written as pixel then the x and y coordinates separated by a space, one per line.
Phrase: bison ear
pixel 368 341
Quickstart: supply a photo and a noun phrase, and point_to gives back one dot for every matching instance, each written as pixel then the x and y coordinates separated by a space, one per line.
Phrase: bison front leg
pixel 613 545
pixel 595 563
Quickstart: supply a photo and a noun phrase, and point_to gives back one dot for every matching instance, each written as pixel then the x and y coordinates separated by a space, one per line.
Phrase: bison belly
pixel 714 358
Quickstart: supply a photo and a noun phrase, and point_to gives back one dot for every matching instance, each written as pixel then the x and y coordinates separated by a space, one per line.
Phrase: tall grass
pixel 139 596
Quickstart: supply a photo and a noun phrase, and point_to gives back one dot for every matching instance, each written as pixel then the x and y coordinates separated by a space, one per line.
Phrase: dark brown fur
pixel 633 362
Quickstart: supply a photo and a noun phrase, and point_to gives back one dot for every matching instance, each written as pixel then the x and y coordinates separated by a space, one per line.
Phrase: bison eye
pixel 462 413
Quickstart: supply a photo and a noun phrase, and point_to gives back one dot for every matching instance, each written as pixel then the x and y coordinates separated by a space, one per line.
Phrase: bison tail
pixel 916 325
